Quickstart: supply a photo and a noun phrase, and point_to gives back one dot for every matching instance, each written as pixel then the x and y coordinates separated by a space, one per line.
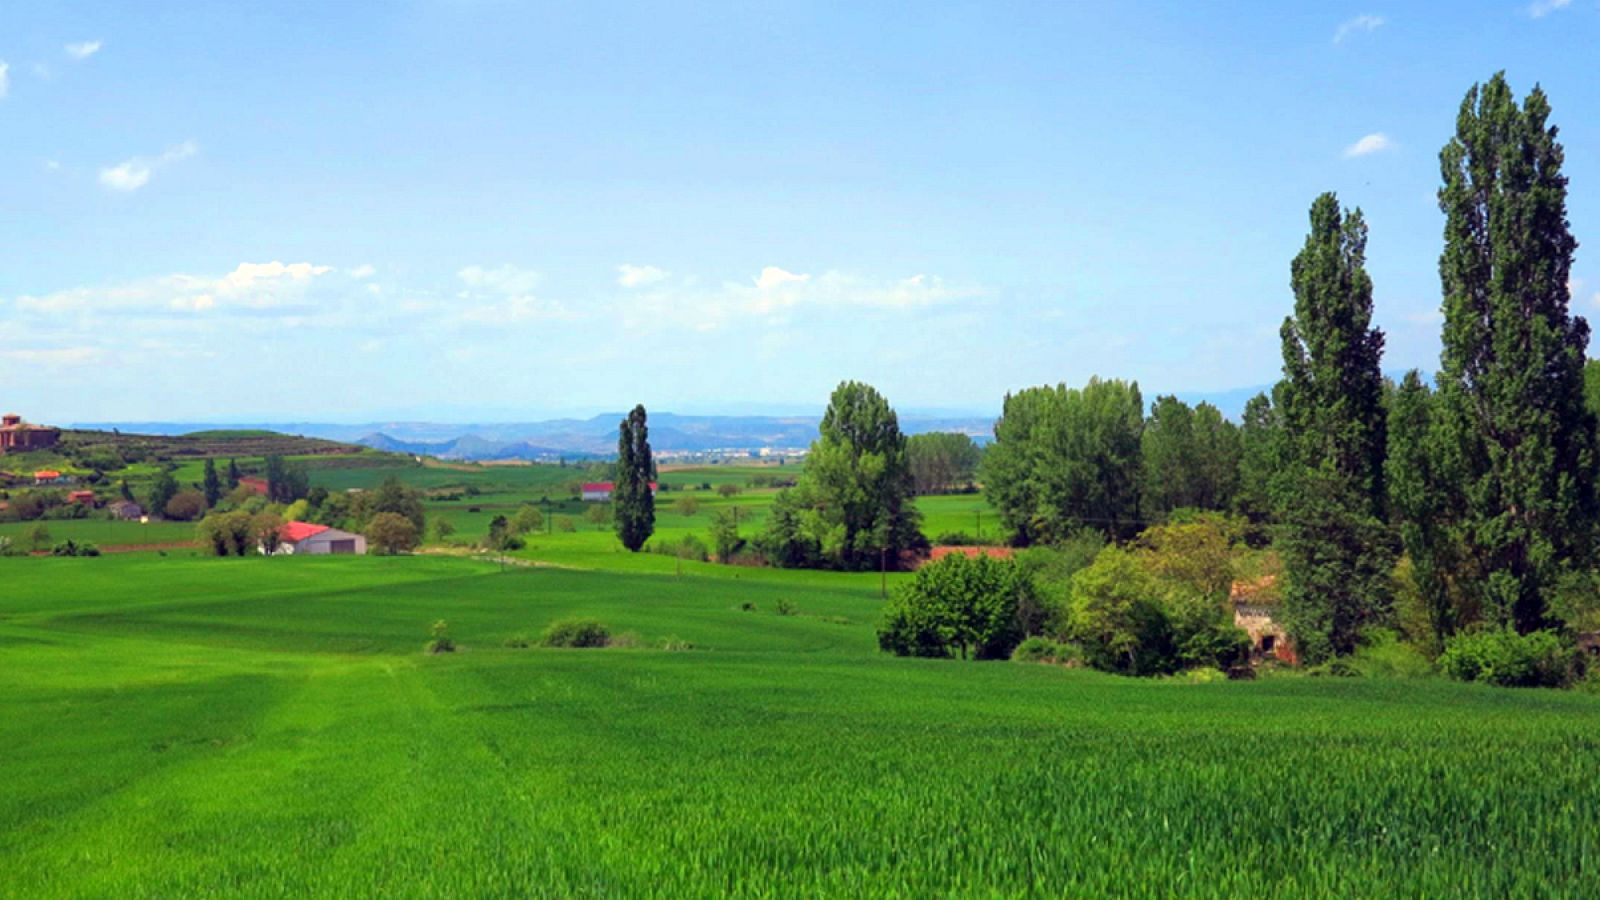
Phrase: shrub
pixel 958 606
pixel 675 645
pixel 70 547
pixel 185 506
pixel 575 633
pixel 392 533
pixel 1039 649
pixel 1501 656
pixel 518 642
pixel 442 642
pixel 729 489
pixel 785 607
pixel 747 606
pixel 686 547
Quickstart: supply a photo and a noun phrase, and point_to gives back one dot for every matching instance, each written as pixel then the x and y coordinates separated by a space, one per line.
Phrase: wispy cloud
pixel 1372 143
pixel 630 276
pixel 363 271
pixel 1541 8
pixel 83 49
pixel 135 173
pixel 1361 24
pixel 5 79
pixel 502 296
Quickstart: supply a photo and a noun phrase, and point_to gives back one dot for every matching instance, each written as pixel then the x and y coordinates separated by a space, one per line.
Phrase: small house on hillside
pixel 254 484
pixel 17 436
pixel 49 476
pixel 317 540
pixel 1255 609
pixel 600 491
pixel 84 497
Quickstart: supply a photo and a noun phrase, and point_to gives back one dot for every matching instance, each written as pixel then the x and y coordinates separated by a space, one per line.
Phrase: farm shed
pixel 600 491
pixel 318 540
pixel 126 510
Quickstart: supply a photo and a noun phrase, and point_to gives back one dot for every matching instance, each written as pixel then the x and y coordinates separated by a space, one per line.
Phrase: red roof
pixel 259 485
pixel 295 532
pixel 47 473
pixel 80 495
pixel 608 485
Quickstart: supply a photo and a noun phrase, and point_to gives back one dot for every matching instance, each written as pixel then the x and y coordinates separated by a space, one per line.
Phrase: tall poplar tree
pixel 1330 492
pixel 632 504
pixel 1510 390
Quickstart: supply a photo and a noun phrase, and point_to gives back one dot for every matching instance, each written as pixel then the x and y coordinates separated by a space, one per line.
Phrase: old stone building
pixel 1255 608
pixel 17 436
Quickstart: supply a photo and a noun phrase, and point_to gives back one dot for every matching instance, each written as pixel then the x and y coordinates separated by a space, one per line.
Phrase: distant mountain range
pixel 570 438
pixel 596 436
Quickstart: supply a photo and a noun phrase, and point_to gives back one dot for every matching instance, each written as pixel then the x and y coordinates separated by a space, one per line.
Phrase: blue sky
pixel 505 210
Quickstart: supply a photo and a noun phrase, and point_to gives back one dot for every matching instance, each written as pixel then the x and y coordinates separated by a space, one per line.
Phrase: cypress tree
pixel 632 504
pixel 1330 492
pixel 1510 391
pixel 213 486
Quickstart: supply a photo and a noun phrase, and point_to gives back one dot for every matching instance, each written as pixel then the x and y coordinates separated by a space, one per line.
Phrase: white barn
pixel 318 540
pixel 600 491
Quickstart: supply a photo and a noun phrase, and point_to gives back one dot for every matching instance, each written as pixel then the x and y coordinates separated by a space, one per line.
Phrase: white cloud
pixel 1359 25
pixel 52 165
pixel 83 49
pixel 59 356
pixel 135 173
pixel 250 287
pixel 504 295
pixel 5 79
pixel 504 279
pixel 1372 143
pixel 1541 8
pixel 363 271
pixel 773 278
pixel 637 276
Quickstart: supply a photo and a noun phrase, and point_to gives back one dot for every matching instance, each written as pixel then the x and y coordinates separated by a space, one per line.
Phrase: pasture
pixel 182 726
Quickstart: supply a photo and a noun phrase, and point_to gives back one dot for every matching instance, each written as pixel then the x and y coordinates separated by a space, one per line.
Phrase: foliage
pixel 1040 649
pixel 1116 617
pixel 441 641
pixel 286 481
pixel 1190 458
pixel 266 530
pixel 852 506
pixel 442 530
pixel 686 506
pixel 162 489
pixel 941 462
pixel 575 633
pixel 633 504
pixel 1330 491
pixel 185 506
pixel 390 533
pixel 213 485
pixel 395 497
pixel 526 520
pixel 728 490
pixel 1503 656
pixel 1516 440
pixel 226 533
pixel 959 606
pixel 70 547
pixel 687 546
pixel 1064 458
pixel 725 535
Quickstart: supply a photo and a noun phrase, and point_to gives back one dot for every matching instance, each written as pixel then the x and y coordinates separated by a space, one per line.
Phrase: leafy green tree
pixel 1066 458
pixel 856 486
pixel 785 542
pixel 526 520
pixel 395 496
pixel 1115 615
pixel 38 537
pixel 391 534
pixel 227 533
pixel 266 530
pixel 162 490
pixel 1510 403
pixel 942 461
pixel 286 481
pixel 185 506
pixel 1261 457
pixel 632 503
pixel 213 485
pixel 725 534
pixel 233 475
pixel 1330 492
pixel 1190 458
pixel 958 606
pixel 1424 502
pixel 442 530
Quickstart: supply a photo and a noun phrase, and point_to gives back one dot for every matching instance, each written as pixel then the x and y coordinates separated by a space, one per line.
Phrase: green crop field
pixel 183 726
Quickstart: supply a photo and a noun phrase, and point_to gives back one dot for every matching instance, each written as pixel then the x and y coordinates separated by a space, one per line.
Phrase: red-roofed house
pixel 86 497
pixel 256 485
pixel 600 491
pixel 49 476
pixel 317 540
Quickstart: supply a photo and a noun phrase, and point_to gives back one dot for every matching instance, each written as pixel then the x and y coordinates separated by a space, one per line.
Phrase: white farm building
pixel 318 540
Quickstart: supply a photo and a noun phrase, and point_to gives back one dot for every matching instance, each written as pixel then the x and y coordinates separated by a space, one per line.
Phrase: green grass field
pixel 183 726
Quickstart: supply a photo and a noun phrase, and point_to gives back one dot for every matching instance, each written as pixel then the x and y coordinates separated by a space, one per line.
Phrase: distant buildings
pixel 127 510
pixel 50 476
pixel 600 491
pixel 17 436
pixel 254 484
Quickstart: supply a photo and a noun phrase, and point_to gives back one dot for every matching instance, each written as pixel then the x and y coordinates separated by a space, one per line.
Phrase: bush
pixel 958 606
pixel 575 633
pixel 686 547
pixel 518 642
pixel 785 607
pixel 441 643
pixel 185 506
pixel 73 548
pixel 1501 656
pixel 1039 649
pixel 391 533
